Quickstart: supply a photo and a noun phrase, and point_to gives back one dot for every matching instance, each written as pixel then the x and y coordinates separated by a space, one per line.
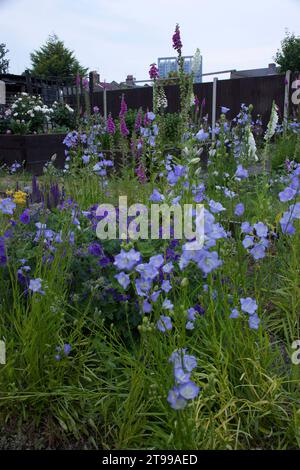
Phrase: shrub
pixel 63 115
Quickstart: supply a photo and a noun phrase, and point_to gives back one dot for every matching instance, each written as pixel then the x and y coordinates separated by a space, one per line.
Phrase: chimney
pixel 130 80
pixel 96 79
pixel 272 69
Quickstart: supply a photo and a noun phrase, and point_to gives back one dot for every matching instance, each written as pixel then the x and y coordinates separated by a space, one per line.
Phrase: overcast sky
pixel 120 37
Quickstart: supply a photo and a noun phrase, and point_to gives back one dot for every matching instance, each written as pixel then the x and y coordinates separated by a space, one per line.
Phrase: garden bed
pixel 32 150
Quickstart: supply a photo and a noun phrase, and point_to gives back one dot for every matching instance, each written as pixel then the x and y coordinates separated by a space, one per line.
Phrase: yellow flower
pixel 20 197
pixel 9 192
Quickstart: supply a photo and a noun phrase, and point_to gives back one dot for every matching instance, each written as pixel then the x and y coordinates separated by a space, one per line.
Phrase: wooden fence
pixel 258 91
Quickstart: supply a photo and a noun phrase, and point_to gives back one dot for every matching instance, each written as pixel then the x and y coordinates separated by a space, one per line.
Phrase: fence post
pixel 286 98
pixel 214 108
pixel 28 82
pixel 104 104
pixel 91 90
pixel 2 93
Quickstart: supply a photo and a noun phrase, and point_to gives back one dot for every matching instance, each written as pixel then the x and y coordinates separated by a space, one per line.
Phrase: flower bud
pixel 184 282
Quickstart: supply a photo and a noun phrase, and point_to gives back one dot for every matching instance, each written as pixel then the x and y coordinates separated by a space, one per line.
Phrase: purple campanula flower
pixel 127 259
pixel 246 227
pixel 181 376
pixel 216 207
pixel 175 400
pixel 147 307
pixel 209 261
pixel 175 201
pixel 164 323
pixel 258 251
pixel 254 321
pixel 67 349
pixel 168 268
pixel 167 305
pixel 188 390
pixel 224 110
pixel 35 285
pixel 25 217
pixel 229 194
pixel 157 261
pixel 104 261
pixel 192 314
pixel 156 196
pixel 7 206
pixel 166 286
pixel 189 325
pixel 151 117
pixel 241 172
pixel 248 241
pixel 261 229
pixel 177 357
pixel 239 209
pixel 95 249
pixel 123 279
pixel 147 271
pixel 295 210
pixel 201 135
pixel 143 286
pixel 286 223
pixel 189 362
pixel 287 194
pixel 200 309
pixel 172 178
pixel 234 313
pixel 86 159
pixel 248 305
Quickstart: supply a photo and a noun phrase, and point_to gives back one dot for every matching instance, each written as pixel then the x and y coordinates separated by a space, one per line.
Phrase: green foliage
pixel 288 57
pixel 286 148
pixel 4 62
pixel 172 127
pixel 63 116
pixel 55 60
pixel 130 118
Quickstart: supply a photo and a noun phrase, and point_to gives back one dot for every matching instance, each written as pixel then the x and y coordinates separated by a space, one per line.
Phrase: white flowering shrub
pixel 29 110
pixel 62 115
pixel 28 114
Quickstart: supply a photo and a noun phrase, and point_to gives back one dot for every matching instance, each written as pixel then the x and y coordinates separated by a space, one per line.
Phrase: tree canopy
pixel 4 62
pixel 55 60
pixel 288 57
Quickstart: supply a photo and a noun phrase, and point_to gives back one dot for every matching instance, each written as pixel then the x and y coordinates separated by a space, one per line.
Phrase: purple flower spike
pixel 153 72
pixel 123 127
pixel 111 128
pixel 177 44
